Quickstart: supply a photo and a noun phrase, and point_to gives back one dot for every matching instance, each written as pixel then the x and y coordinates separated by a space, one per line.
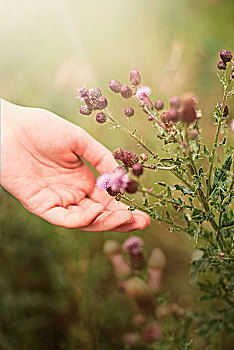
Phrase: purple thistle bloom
pixel 103 181
pixel 133 245
pixel 119 180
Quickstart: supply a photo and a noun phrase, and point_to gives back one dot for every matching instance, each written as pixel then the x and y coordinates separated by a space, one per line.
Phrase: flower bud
pixel 136 289
pixel 159 104
pixel 111 247
pixel 139 320
pixel 154 278
pixel 221 254
pixel 120 265
pixel 129 111
pixel 143 157
pixel 174 102
pixel 225 55
pixel 150 118
pixel 193 133
pixel 151 333
pixel 137 169
pixel 163 311
pixel 225 111
pixel 82 93
pixel 173 115
pixel 188 115
pixel 102 102
pixel 129 159
pixel 118 154
pixel 135 78
pixel 157 259
pixel 126 92
pixel 101 118
pixel 184 144
pixel 89 102
pixel 222 65
pixel 163 117
pixel 95 93
pixel 132 186
pixel 115 86
pixel 85 110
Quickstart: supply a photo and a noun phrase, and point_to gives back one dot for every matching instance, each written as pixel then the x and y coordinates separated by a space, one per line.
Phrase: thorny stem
pixel 217 135
pixel 128 132
pixel 160 218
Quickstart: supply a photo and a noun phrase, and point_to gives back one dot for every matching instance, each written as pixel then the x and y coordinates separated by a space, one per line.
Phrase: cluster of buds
pixel 93 100
pixel 141 290
pixel 226 56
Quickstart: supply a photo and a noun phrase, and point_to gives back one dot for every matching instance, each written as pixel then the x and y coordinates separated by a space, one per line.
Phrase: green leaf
pixel 206 151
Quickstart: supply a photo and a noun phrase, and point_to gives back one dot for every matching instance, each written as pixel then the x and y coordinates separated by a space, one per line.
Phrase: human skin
pixel 42 166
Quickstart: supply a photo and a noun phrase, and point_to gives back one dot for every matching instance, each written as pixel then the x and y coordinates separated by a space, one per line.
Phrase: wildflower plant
pixel 203 182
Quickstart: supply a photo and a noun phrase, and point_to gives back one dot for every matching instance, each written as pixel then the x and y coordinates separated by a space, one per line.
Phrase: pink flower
pixel 103 181
pixel 133 244
pixel 119 180
pixel 143 91
pixel 232 125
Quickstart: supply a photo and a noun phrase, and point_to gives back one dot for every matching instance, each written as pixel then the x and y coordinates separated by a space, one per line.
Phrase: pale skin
pixel 41 165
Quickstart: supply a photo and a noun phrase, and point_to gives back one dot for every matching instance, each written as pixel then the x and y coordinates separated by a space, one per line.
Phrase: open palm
pixel 42 166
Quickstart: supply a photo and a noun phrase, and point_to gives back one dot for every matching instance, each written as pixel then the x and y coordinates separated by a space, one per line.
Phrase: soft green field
pixel 56 288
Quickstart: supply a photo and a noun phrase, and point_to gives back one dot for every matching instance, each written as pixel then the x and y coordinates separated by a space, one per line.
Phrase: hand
pixel 42 166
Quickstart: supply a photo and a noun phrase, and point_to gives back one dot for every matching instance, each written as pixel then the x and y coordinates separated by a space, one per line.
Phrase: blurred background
pixel 57 290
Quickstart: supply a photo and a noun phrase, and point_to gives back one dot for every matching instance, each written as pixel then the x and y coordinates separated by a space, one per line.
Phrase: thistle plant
pixel 199 201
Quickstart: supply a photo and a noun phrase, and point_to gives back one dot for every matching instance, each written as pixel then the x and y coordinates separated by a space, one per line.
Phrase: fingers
pixel 73 217
pixel 109 221
pixel 138 223
pixel 94 152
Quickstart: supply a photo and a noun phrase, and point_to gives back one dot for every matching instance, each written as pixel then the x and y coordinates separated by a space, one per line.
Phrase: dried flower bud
pixel 159 105
pixel 118 154
pixel 225 111
pixel 102 102
pixel 222 65
pixel 132 186
pixel 188 115
pixel 101 118
pixel 225 55
pixel 137 169
pixel 173 115
pixel 140 292
pixel 139 320
pixel 193 133
pixel 151 333
pixel 85 110
pixel 174 102
pixel 129 159
pixel 157 259
pixel 95 93
pixel 135 78
pixel 125 91
pixel 115 86
pixel 82 93
pixel 129 111
pixel 131 338
pixel 144 157
pixel 111 247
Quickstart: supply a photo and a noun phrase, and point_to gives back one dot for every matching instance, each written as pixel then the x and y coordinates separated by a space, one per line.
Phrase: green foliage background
pixel 56 287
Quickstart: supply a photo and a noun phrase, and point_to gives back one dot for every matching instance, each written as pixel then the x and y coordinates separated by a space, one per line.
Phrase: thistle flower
pixel 173 115
pixel 81 93
pixel 225 111
pixel 115 86
pixel 85 110
pixel 188 114
pixel 133 245
pixel 193 133
pixel 103 181
pixel 95 93
pixel 174 102
pixel 139 320
pixel 136 289
pixel 225 55
pixel 112 250
pixel 129 159
pixel 125 91
pixel 137 169
pixel 129 111
pixel 143 91
pixel 119 180
pixel 222 65
pixel 159 104
pixel 118 154
pixel 135 78
pixel 101 118
pixel 132 186
pixel 131 338
pixel 157 262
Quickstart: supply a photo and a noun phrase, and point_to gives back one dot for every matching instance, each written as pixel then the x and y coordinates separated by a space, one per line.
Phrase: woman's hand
pixel 42 167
